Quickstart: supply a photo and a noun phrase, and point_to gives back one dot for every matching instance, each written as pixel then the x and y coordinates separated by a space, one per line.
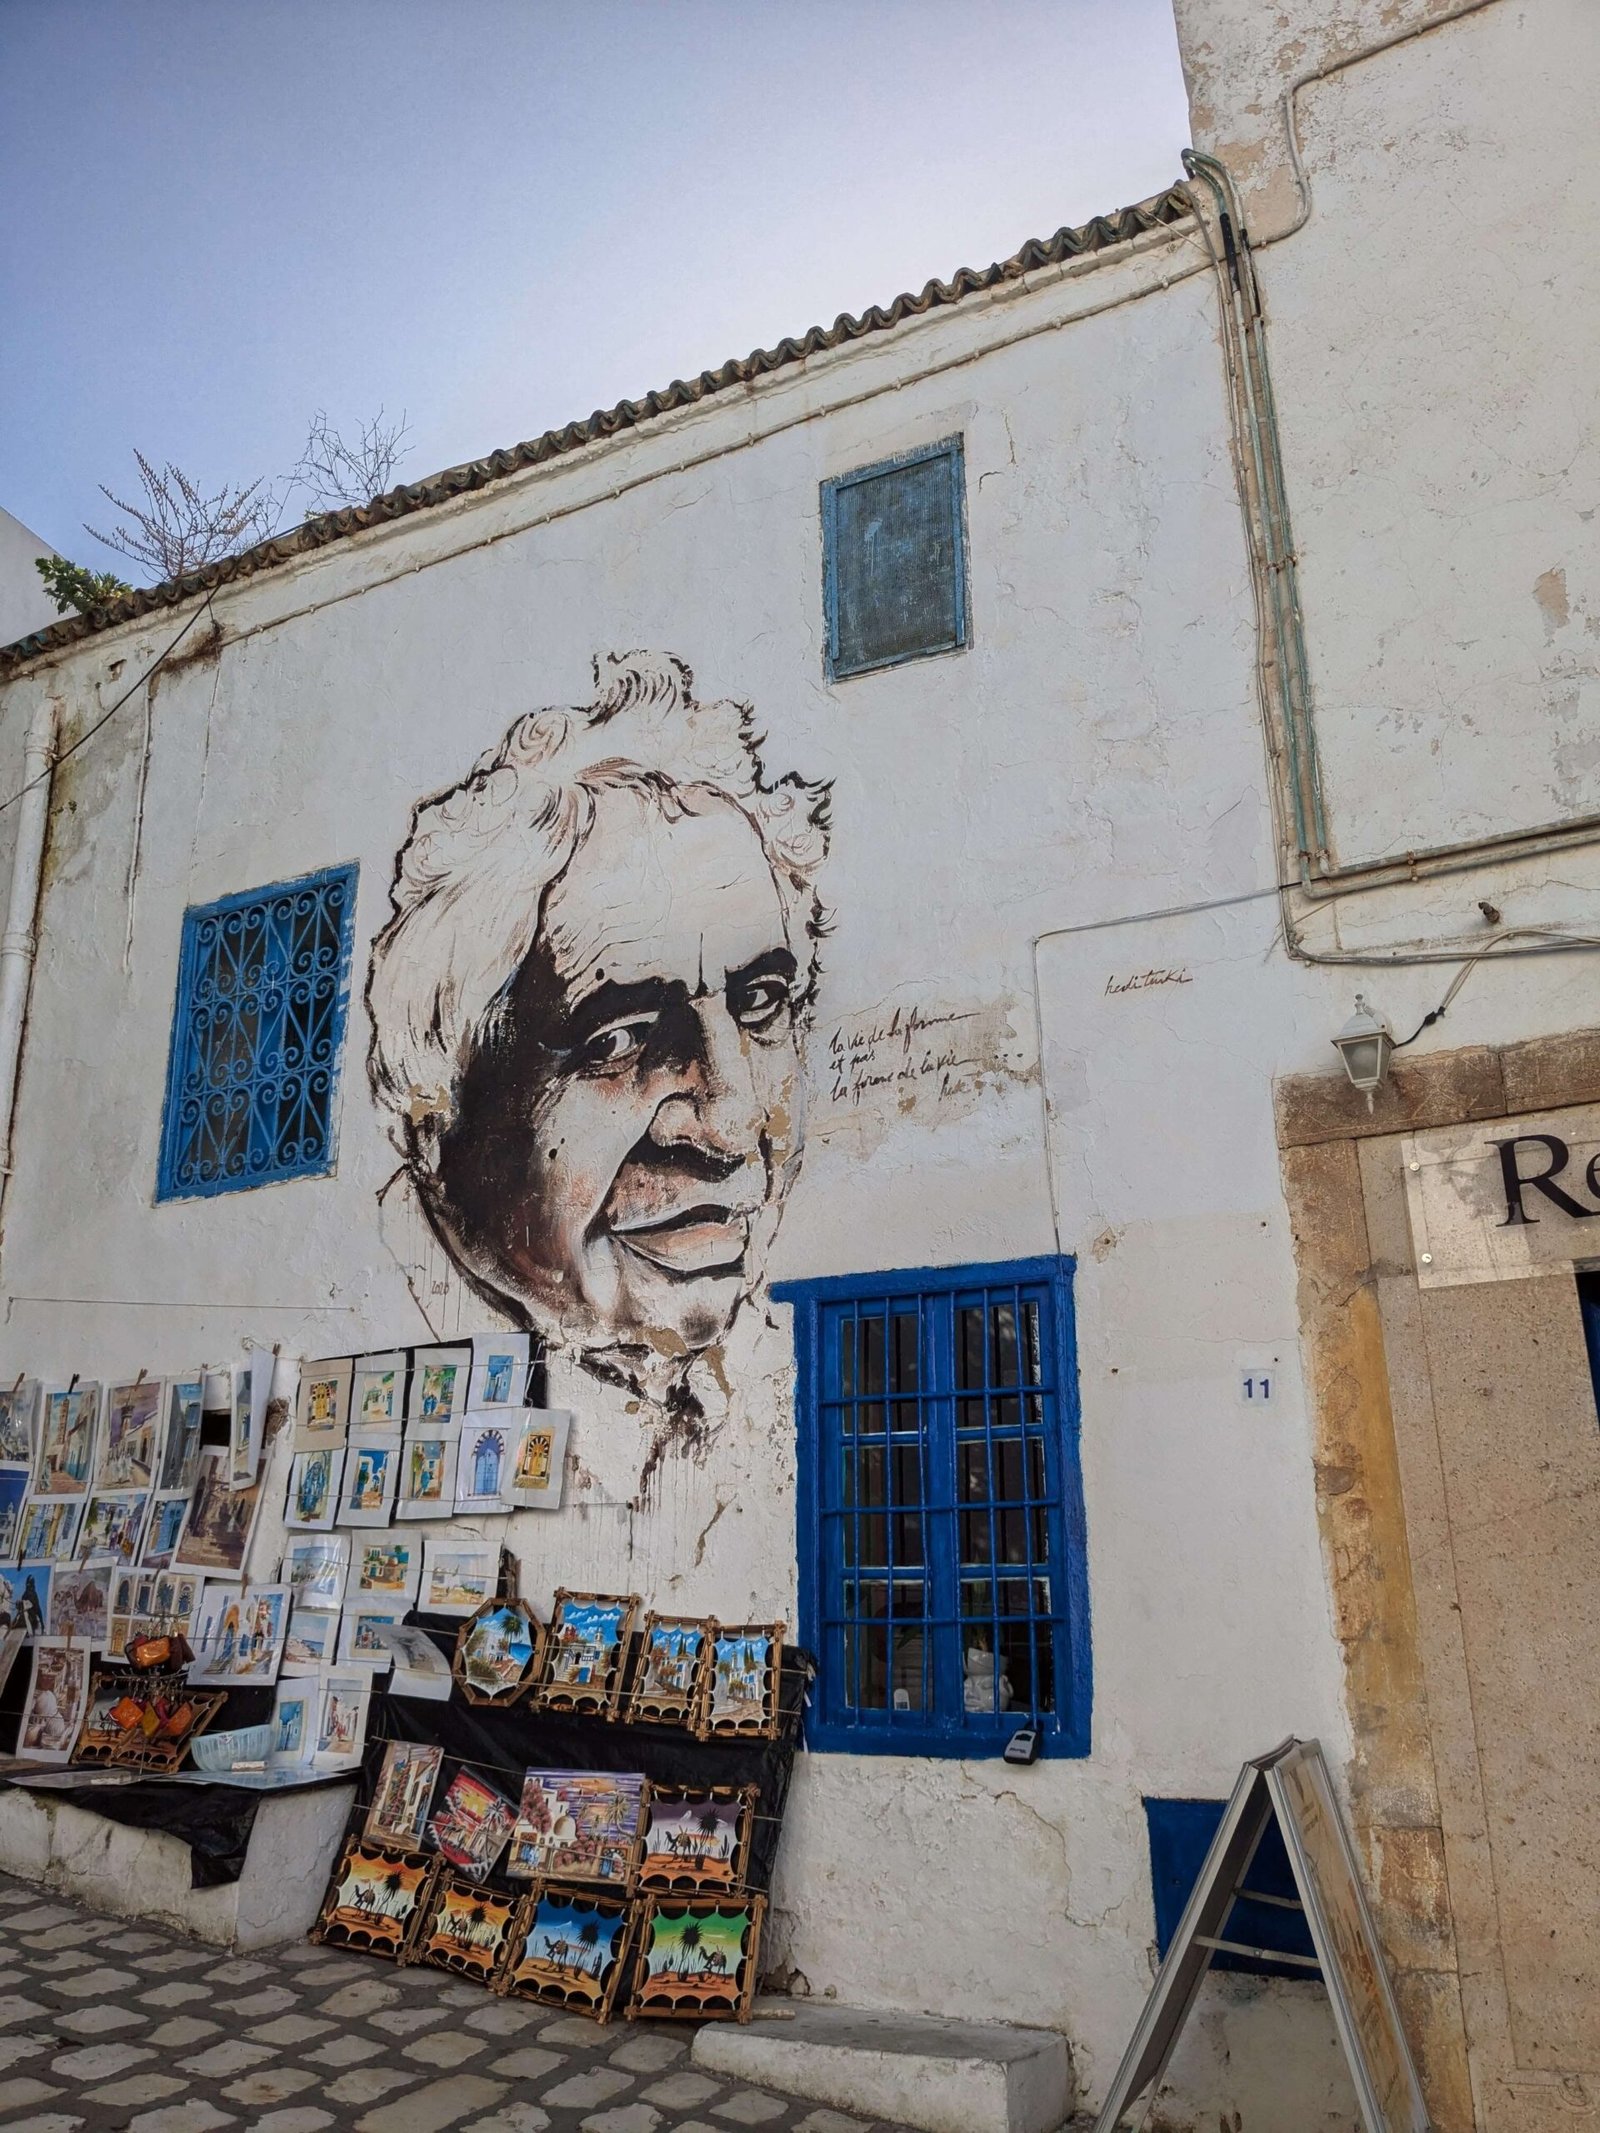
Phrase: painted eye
pixel 758 1005
pixel 620 1043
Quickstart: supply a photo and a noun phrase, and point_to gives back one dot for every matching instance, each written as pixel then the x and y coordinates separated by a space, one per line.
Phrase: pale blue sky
pixel 499 215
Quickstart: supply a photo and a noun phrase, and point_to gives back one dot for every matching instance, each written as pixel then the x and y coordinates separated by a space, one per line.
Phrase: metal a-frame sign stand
pixel 1292 1784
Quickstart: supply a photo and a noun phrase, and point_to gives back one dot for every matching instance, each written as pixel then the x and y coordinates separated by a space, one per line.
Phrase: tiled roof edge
pixel 1097 235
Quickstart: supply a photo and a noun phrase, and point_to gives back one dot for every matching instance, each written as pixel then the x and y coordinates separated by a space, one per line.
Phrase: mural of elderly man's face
pixel 625 1132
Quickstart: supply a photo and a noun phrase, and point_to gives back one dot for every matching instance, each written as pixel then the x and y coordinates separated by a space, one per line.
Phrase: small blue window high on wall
pixel 263 985
pixel 941 1533
pixel 894 561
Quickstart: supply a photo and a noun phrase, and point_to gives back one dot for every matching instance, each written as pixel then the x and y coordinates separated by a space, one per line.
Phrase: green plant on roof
pixel 75 589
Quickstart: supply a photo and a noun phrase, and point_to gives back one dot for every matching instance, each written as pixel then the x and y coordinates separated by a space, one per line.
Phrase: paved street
pixel 106 2025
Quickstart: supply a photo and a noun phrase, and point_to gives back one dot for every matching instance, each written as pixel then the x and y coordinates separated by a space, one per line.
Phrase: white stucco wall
pixel 24 603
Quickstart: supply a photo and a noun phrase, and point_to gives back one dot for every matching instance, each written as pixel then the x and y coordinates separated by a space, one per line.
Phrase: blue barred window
pixel 263 985
pixel 894 560
pixel 943 1582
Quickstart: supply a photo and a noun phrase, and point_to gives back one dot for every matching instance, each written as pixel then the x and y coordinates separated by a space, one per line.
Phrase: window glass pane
pixel 904 1352
pixel 1032 1362
pixel 969 1345
pixel 1003 1330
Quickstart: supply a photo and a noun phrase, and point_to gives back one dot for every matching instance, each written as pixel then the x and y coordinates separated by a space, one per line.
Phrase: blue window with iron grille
pixel 263 985
pixel 894 560
pixel 943 1584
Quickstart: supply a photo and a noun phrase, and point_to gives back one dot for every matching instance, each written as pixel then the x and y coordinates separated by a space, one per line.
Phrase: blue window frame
pixel 894 560
pixel 1181 1832
pixel 263 985
pixel 943 1584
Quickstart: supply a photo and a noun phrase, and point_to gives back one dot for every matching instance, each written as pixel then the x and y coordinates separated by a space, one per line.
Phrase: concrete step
pixel 916 2070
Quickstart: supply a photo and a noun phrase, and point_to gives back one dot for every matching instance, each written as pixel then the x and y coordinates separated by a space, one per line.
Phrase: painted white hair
pixel 471 879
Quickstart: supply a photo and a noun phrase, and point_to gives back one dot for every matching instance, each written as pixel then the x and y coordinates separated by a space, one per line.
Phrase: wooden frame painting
pixel 578 1825
pixel 143 1721
pixel 697 1958
pixel 403 1794
pixel 498 1652
pixel 463 1926
pixel 696 1838
pixel 472 1824
pixel 587 1651
pixel 741 1693
pixel 669 1677
pixel 376 1894
pixel 568 1947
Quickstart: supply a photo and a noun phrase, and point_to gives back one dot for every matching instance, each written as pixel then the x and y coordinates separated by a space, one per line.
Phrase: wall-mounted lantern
pixel 1364 1044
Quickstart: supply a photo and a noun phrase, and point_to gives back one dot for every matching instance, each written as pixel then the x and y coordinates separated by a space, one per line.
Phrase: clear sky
pixel 499 215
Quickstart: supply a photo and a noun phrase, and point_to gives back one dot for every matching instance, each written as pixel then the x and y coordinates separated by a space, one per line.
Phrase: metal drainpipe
pixel 19 941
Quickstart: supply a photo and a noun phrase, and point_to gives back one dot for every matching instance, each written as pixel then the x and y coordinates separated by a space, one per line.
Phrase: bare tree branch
pixel 333 471
pixel 177 528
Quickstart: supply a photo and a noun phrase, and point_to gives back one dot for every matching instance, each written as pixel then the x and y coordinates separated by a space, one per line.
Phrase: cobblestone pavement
pixel 119 2028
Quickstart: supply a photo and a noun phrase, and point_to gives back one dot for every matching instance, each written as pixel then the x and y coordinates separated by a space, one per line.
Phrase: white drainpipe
pixel 18 942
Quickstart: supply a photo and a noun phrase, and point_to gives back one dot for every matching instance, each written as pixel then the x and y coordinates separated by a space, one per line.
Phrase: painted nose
pixel 717 1109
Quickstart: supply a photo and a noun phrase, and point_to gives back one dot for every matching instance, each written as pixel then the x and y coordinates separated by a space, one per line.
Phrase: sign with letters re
pixel 1504 1199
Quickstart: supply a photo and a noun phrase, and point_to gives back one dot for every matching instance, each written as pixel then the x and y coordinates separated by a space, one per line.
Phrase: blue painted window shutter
pixel 253 1072
pixel 894 560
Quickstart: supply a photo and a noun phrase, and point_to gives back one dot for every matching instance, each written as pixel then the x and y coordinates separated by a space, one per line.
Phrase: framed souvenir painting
pixel 218 1632
pixel 151 1604
pixel 314 1481
pixel 741 1695
pixel 359 1643
pixel 112 1528
pixel 130 1441
pixel 247 1431
pixel 371 1471
pixel 50 1529
pixel 538 1457
pixel 13 1496
pixel 403 1794
pixel 472 1824
pixel 498 1650
pixel 374 1896
pixel 322 1409
pixel 163 1531
pixel 57 1698
pixel 499 1370
pixel 463 1926
pixel 568 1947
pixel 386 1567
pixel 578 1825
pixel 588 1645
pixel 294 1724
pixel 180 1438
pixel 696 1839
pixel 25 1597
pixel 439 1378
pixel 314 1568
pixel 457 1576
pixel 80 1605
pixel 669 1677
pixel 19 1422
pixel 68 1436
pixel 216 1534
pixel 341 1720
pixel 377 1393
pixel 312 1644
pixel 428 1471
pixel 697 1958
pixel 483 1464
pixel 420 1669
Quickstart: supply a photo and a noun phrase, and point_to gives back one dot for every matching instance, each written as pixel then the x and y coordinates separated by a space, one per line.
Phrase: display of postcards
pixel 50 1529
pixel 130 1437
pixel 371 1470
pixel 377 1392
pixel 472 1824
pixel 341 1720
pixel 403 1794
pixel 578 1825
pixel 373 1897
pixel 439 1379
pixel 80 1605
pixel 239 1635
pixel 314 1568
pixel 359 1643
pixel 420 1668
pixel 19 1422
pixel 742 1692
pixel 457 1576
pixel 387 1567
pixel 57 1696
pixel 428 1471
pixel 588 1645
pixel 112 1528
pixel 68 1435
pixel 498 1652
pixel 216 1534
pixel 247 1431
pixel 163 1531
pixel 463 1926
pixel 696 1839
pixel 294 1724
pixel 499 1370
pixel 180 1440
pixel 312 1644
pixel 25 1598
pixel 483 1464
pixel 538 1457
pixel 314 1482
pixel 322 1412
pixel 670 1675
pixel 13 1495
pixel 160 1603
pixel 697 1957
pixel 568 1947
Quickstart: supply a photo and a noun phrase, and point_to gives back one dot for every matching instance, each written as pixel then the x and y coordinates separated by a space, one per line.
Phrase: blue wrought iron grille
pixel 942 1565
pixel 894 563
pixel 263 984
